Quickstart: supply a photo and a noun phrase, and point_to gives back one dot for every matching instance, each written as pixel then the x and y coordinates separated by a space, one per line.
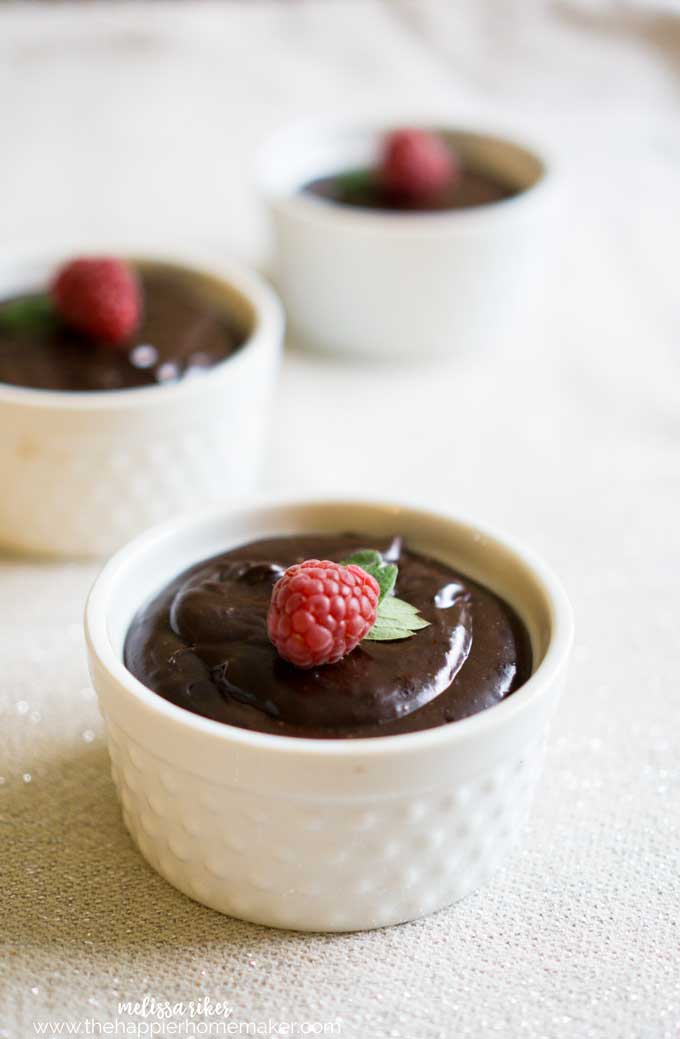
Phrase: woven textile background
pixel 137 123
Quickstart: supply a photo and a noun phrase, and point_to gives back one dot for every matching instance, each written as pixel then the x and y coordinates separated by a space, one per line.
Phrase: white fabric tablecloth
pixel 138 123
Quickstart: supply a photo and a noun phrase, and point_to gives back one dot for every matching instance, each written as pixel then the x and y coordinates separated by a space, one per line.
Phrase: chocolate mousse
pixel 185 327
pixel 414 171
pixel 361 188
pixel 202 644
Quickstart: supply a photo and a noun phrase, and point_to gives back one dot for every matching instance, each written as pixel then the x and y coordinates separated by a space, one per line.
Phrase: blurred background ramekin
pixel 417 285
pixel 85 471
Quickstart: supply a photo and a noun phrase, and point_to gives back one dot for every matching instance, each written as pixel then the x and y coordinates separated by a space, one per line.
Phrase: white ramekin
pixel 325 835
pixel 387 284
pixel 84 472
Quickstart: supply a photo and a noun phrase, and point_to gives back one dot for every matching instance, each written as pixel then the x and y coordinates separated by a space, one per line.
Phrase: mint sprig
pixel 356 185
pixel 374 564
pixel 395 618
pixel 27 312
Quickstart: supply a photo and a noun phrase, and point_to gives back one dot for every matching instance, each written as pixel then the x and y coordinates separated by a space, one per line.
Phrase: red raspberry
pixel 99 296
pixel 320 611
pixel 417 165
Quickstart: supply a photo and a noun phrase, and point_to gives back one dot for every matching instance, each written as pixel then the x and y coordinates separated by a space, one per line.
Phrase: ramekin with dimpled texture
pixel 324 835
pixel 84 472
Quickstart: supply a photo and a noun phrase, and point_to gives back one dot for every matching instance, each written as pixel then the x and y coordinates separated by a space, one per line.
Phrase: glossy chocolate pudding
pixel 186 328
pixel 202 644
pixel 362 188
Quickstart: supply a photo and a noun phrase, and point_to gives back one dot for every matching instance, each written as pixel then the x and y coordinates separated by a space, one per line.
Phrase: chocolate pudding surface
pixel 185 329
pixel 362 188
pixel 202 644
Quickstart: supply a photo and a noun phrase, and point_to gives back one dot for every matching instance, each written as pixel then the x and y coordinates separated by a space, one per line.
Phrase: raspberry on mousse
pixel 320 611
pixel 98 296
pixel 417 165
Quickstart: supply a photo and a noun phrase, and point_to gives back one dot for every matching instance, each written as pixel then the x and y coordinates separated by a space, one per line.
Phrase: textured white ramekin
pixel 84 472
pixel 387 284
pixel 326 835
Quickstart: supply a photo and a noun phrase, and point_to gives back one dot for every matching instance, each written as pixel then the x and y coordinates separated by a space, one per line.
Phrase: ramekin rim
pixel 553 662
pixel 308 207
pixel 268 322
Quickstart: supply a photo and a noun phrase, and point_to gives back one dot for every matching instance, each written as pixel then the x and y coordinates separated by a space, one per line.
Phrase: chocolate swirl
pixel 202 644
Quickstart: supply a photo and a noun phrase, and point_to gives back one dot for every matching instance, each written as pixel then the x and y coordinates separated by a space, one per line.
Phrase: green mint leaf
pixel 364 558
pixel 382 631
pixel 372 562
pixel 397 609
pixel 29 312
pixel 386 576
pixel 396 620
pixel 355 185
